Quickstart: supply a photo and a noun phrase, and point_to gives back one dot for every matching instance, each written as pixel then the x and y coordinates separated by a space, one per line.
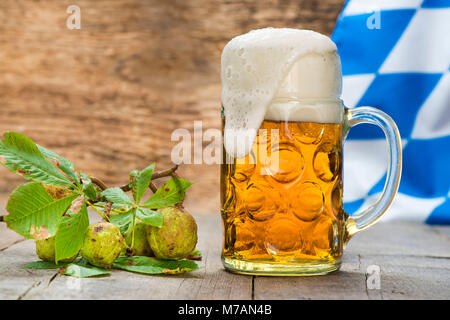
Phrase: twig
pixel 99 183
pixel 153 187
pixel 125 188
pixel 156 175
pixel 161 174
pixel 175 175
pixel 107 209
pixel 164 173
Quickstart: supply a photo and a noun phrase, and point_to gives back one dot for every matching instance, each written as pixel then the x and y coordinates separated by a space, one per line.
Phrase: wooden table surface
pixel 414 260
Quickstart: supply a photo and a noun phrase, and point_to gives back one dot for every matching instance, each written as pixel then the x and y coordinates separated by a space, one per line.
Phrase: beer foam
pixel 277 74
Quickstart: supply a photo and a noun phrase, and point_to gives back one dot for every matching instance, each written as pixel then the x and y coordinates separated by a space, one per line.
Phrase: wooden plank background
pixel 109 95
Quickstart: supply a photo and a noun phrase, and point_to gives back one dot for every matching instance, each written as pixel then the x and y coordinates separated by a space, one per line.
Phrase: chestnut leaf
pixel 141 181
pixel 150 217
pixel 171 193
pixel 117 195
pixel 22 156
pixel 150 265
pixel 31 209
pixel 63 164
pixel 70 233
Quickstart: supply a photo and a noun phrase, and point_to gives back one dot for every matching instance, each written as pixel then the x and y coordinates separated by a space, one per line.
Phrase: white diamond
pixel 424 46
pixel 407 208
pixel 356 7
pixel 353 88
pixel 433 118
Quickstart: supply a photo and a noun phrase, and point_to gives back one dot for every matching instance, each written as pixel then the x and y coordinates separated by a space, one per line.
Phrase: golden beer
pixel 284 124
pixel 288 211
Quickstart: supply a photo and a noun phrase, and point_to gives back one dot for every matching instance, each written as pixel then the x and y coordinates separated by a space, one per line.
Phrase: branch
pixel 161 174
pixel 99 183
pixel 2 218
pixel 153 187
pixel 156 175
pixel 175 175
pixel 164 173
pixel 107 209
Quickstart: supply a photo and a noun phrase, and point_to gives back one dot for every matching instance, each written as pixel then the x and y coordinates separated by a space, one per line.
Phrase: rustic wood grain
pixel 348 283
pixel 443 231
pixel 414 261
pixel 109 95
pixel 410 277
pixel 8 237
pixel 417 267
pixel 16 282
pixel 401 239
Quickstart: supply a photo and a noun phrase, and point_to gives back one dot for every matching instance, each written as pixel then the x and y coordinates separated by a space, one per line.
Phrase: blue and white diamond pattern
pixel 399 64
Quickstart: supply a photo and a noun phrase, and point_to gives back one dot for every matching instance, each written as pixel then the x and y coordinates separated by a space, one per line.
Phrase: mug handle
pixel 355 116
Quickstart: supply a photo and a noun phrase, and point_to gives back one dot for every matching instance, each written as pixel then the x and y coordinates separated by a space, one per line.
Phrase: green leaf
pixel 116 195
pixel 133 174
pixel 83 269
pixel 70 234
pixel 90 191
pixel 32 210
pixel 122 220
pixel 127 230
pixel 149 265
pixel 43 265
pixel 141 182
pixel 150 217
pixel 195 255
pixel 65 165
pixel 23 157
pixel 172 192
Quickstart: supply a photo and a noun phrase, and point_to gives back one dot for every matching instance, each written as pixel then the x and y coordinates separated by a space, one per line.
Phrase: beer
pixel 281 178
pixel 291 212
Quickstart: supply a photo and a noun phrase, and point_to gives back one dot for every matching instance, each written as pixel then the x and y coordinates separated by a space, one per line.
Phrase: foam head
pixel 277 74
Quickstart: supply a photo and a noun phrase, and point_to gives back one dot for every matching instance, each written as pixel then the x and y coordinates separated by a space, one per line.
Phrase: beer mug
pixel 281 176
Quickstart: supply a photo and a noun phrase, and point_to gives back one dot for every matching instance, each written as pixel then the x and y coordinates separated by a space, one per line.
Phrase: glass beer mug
pixel 281 199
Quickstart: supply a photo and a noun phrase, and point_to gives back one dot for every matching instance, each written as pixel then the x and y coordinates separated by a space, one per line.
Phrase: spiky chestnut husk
pixel 102 244
pixel 177 238
pixel 45 249
pixel 141 246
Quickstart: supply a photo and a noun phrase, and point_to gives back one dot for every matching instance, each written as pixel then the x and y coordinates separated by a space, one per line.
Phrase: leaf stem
pixel 98 211
pixel 112 210
pixel 134 227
